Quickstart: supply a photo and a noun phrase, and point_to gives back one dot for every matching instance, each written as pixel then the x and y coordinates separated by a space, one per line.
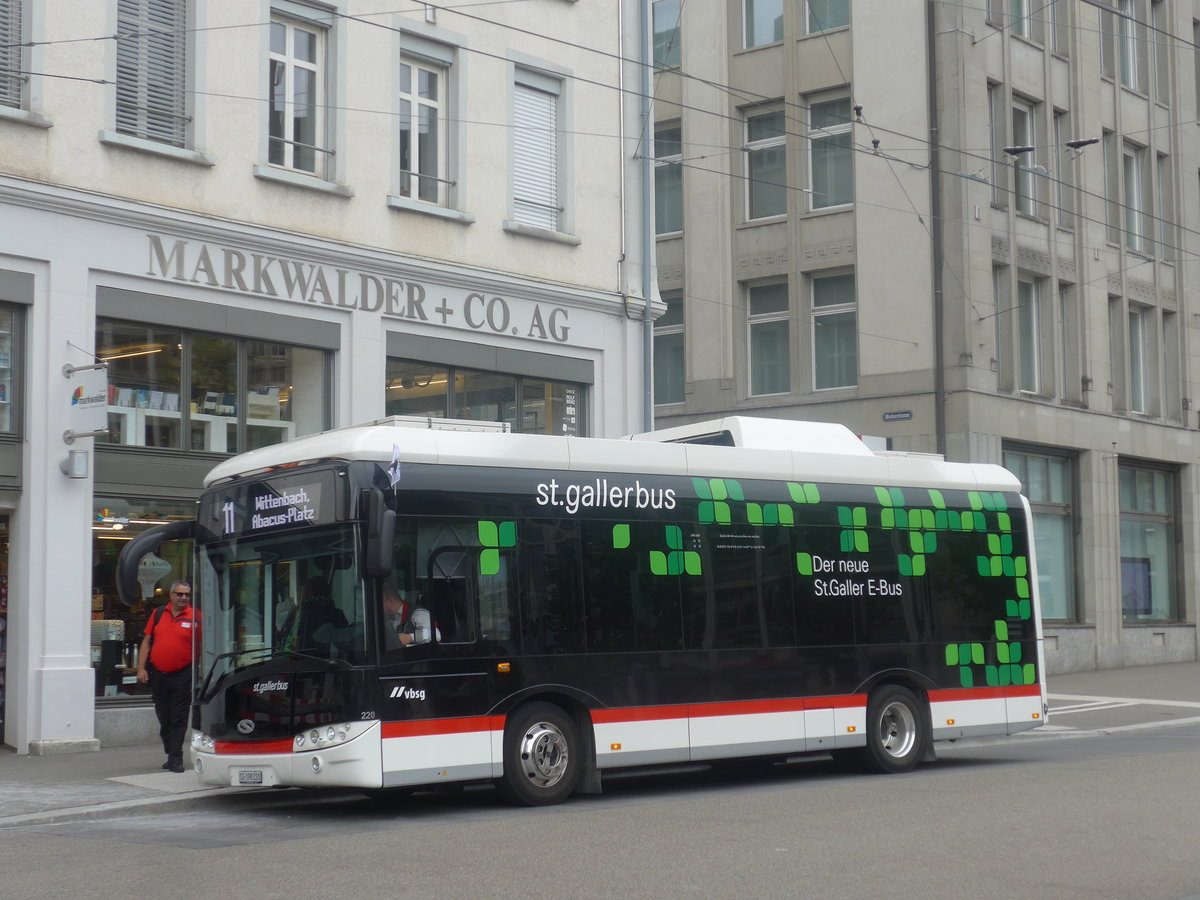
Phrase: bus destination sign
pixel 273 504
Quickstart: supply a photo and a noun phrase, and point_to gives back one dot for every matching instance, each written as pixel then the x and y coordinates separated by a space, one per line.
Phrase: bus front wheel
pixel 541 756
pixel 896 732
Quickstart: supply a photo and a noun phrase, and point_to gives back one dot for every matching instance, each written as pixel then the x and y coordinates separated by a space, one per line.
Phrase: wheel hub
pixel 543 754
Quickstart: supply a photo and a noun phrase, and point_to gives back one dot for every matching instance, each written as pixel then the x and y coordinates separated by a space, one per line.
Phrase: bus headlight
pixel 203 742
pixel 332 735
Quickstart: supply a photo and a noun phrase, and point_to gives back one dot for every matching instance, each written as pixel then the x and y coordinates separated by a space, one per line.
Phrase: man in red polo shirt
pixel 165 660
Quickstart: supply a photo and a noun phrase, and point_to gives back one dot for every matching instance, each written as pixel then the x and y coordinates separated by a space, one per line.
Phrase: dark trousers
pixel 172 693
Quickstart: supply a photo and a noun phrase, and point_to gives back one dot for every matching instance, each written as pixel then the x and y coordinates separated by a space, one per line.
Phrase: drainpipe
pixel 935 203
pixel 647 233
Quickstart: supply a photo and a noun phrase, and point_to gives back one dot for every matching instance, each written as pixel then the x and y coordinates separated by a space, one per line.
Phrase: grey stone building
pixel 969 229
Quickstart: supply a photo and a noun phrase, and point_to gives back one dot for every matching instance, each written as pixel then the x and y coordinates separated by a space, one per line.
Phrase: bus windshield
pixel 296 594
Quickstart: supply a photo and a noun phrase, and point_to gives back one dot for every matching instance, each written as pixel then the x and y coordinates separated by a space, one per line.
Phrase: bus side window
pixel 497 600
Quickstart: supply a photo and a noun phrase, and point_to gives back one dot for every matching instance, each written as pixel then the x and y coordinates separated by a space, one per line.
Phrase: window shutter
pixel 151 67
pixel 535 158
pixel 10 54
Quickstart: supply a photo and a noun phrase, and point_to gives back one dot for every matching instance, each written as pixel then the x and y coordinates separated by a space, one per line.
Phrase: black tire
pixel 542 755
pixel 896 730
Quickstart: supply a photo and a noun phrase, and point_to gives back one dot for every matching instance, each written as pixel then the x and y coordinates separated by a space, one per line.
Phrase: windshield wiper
pixel 338 663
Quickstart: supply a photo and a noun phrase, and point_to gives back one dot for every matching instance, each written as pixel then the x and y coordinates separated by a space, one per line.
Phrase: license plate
pixel 250 776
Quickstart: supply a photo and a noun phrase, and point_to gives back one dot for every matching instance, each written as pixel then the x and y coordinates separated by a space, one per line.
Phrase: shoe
pixel 175 767
pixel 167 764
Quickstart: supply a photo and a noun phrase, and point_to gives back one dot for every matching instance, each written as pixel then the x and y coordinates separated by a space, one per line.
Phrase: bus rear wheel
pixel 541 756
pixel 896 731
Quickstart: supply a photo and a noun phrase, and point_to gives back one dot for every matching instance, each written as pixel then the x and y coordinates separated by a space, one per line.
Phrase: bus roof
pixel 768 449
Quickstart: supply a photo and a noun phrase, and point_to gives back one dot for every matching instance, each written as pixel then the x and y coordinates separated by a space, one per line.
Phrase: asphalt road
pixel 1104 803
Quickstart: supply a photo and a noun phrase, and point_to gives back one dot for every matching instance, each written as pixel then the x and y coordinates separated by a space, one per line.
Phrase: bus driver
pixel 403 623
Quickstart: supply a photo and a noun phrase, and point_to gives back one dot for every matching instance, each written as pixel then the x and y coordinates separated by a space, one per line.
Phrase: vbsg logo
pixel 406 693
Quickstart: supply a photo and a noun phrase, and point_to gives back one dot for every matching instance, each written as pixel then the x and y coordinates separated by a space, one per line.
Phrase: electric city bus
pixel 410 603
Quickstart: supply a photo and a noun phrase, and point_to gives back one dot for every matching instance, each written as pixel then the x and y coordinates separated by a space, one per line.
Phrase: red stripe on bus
pixel 730 708
pixel 424 727
pixel 279 745
pixel 985 693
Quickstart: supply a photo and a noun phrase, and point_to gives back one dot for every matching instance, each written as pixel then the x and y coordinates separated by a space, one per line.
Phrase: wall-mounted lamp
pixel 76 464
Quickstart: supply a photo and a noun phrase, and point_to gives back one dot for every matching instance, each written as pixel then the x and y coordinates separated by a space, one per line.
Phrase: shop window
pixel 530 405
pixel 1048 480
pixel 116 629
pixel 239 394
pixel 1149 580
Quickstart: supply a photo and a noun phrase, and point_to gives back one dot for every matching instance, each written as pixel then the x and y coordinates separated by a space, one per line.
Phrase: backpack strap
pixel 153 628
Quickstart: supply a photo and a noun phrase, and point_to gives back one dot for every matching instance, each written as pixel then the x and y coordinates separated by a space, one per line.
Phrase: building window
pixel 1028 349
pixel 1024 134
pixel 1165 207
pixel 185 390
pixel 666 33
pixel 1133 174
pixel 997 141
pixel 1060 24
pixel 537 198
pixel 669 366
pixel 1148 576
pixel 1130 44
pixel 766 165
pixel 1140 330
pixel 1064 185
pixel 13 56
pixel 1162 51
pixel 1019 20
pixel 834 332
pixel 151 82
pixel 668 179
pixel 1196 63
pixel 116 629
pixel 10 365
pixel 530 405
pixel 1048 480
pixel 831 155
pixel 422 132
pixel 764 22
pixel 1112 188
pixel 297 135
pixel 769 326
pixel 824 15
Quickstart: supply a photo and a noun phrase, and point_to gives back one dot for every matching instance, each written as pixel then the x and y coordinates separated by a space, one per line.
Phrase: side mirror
pixel 146 542
pixel 381 535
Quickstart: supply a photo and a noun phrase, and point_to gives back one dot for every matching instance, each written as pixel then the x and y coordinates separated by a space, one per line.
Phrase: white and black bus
pixel 739 588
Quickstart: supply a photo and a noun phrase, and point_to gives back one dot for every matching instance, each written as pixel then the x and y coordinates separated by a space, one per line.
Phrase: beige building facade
pixel 969 229
pixel 268 219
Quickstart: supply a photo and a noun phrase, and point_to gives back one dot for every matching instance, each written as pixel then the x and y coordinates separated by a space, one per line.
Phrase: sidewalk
pixel 40 789
pixel 115 780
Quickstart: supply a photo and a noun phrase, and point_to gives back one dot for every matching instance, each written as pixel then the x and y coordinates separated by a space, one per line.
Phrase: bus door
pixel 436 689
